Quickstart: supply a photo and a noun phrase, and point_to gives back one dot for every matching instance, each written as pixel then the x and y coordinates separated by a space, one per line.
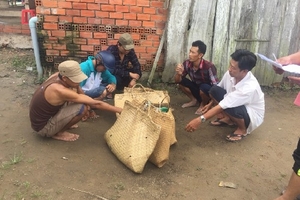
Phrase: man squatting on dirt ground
pixel 293 189
pixel 202 73
pixel 56 107
pixel 100 83
pixel 238 97
pixel 125 73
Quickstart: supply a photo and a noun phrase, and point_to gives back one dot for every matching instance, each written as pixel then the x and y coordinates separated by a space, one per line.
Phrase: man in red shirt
pixel 202 74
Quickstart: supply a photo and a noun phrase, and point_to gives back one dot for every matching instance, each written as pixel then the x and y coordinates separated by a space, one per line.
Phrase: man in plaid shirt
pixel 125 73
pixel 202 76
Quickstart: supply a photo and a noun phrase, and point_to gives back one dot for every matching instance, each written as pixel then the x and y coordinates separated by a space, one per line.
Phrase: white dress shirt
pixel 247 92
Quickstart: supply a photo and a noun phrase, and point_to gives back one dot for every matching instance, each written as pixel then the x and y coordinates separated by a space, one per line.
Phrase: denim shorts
pixel 96 92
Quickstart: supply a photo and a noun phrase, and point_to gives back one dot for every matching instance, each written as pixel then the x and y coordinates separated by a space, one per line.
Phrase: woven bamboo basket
pixel 133 137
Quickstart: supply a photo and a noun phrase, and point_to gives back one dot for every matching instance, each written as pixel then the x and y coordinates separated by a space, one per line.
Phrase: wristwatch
pixel 202 118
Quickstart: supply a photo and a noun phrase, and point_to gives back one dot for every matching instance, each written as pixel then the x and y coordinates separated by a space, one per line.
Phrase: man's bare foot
pixel 189 104
pixel 91 115
pixel 66 136
pixel 74 126
pixel 110 96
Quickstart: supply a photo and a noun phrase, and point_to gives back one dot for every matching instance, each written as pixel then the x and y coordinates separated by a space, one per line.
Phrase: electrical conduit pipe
pixel 32 26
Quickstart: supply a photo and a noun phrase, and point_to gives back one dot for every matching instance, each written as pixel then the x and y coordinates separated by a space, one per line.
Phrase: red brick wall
pixel 15 28
pixel 79 28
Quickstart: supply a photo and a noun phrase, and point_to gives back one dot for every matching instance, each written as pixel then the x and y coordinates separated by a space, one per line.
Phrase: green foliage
pixel 21 63
pixel 13 161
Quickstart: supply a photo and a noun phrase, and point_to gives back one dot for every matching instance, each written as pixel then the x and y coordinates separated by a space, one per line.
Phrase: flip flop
pixel 235 137
pixel 218 122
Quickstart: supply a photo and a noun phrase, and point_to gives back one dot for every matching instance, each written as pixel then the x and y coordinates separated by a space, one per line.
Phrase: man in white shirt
pixel 238 98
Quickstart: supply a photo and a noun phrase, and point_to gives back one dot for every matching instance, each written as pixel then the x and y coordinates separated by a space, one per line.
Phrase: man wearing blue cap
pixel 100 82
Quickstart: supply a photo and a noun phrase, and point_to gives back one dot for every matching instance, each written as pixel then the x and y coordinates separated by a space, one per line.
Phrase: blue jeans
pixel 96 92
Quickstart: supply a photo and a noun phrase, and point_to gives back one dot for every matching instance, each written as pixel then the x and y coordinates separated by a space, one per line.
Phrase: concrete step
pixel 11 12
pixel 10 20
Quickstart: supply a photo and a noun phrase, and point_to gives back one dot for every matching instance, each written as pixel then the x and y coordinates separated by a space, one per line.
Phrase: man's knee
pixel 83 111
pixel 217 93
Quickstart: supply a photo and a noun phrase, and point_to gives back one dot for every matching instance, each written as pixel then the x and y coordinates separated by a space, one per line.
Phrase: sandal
pixel 235 137
pixel 218 122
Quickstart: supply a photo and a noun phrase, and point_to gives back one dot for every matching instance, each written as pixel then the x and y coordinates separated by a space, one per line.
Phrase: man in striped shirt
pixel 202 76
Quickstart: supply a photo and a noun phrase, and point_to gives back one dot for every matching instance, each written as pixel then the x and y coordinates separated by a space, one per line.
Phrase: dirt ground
pixel 33 167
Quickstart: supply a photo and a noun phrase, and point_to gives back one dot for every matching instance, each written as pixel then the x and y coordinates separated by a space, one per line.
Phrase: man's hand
pixel 278 70
pixel 79 90
pixel 111 88
pixel 132 83
pixel 134 76
pixel 207 107
pixel 286 60
pixel 179 69
pixel 193 125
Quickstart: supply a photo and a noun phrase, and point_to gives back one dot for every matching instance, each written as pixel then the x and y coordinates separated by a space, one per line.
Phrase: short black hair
pixel 246 59
pixel 201 46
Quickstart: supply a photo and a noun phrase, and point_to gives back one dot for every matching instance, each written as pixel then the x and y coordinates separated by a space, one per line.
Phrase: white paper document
pixel 288 68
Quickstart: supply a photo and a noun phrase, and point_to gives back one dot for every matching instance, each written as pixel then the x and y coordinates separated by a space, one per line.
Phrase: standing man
pixel 56 107
pixel 238 96
pixel 292 191
pixel 202 73
pixel 125 73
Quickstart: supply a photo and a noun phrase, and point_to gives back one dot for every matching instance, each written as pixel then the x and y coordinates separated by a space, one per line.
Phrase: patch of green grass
pixel 20 63
pixel 26 190
pixel 19 195
pixel 5 165
pixel 26 185
pixel 199 168
pixel 120 186
pixel 59 192
pixel 6 141
pixel 37 194
pixel 23 142
pixel 31 160
pixel 224 174
pixel 15 159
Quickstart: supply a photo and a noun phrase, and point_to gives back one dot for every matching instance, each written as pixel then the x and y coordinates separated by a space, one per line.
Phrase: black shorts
pixel 195 88
pixel 239 112
pixel 296 156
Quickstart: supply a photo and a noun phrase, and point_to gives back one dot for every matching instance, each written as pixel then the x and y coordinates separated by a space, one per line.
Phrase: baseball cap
pixel 126 41
pixel 107 59
pixel 71 69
